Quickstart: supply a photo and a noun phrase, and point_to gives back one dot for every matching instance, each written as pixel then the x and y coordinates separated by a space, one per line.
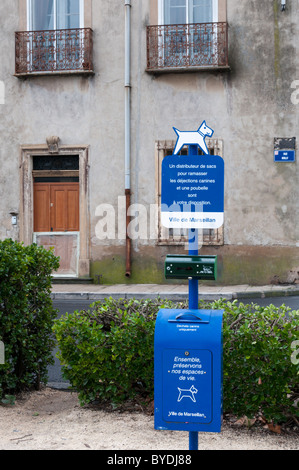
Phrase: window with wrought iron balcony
pixel 188 38
pixel 56 41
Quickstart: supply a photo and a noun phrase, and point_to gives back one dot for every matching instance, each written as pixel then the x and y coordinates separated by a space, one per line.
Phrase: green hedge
pixel 107 351
pixel 259 373
pixel 26 315
pixel 107 354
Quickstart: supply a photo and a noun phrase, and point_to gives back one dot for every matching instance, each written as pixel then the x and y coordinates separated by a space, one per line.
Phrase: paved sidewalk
pixel 168 291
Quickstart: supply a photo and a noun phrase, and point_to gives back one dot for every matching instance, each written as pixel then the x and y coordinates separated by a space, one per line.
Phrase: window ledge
pixel 54 72
pixel 208 68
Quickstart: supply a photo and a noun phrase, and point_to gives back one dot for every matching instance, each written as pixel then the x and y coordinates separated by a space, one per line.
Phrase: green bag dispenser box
pixel 191 267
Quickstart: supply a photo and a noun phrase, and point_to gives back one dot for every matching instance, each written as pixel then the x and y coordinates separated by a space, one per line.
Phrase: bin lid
pixel 190 316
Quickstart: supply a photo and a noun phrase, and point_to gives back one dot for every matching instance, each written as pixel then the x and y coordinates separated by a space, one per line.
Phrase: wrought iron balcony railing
pixel 187 46
pixel 55 51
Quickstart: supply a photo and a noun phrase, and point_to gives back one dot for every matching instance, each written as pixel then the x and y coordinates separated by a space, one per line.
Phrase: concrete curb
pixel 175 294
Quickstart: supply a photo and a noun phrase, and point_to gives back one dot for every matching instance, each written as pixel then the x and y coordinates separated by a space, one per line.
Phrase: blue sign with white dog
pixel 189 381
pixel 192 192
pixel 193 138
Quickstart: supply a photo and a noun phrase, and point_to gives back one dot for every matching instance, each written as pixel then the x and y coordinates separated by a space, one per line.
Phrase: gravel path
pixel 53 420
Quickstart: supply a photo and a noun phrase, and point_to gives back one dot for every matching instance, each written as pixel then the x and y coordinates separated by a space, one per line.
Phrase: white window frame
pixel 30 23
pixel 161 19
pixel 30 14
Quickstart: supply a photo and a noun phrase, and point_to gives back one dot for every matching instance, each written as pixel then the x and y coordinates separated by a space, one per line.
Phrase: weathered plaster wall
pixel 9 110
pixel 247 107
pixel 253 265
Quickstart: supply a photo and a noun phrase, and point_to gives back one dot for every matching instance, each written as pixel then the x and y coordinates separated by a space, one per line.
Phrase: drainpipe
pixel 128 129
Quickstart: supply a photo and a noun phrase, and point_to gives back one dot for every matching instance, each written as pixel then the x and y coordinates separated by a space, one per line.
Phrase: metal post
pixel 193 440
pixel 193 295
pixel 193 250
pixel 128 129
pixel 193 283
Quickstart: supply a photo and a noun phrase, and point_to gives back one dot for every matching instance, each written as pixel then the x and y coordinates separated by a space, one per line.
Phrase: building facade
pixel 90 92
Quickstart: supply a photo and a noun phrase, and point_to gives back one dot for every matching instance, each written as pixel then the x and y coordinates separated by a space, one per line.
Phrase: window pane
pixel 175 11
pixel 68 14
pixel 199 11
pixel 42 15
pixel 56 179
pixel 51 162
pixel 202 11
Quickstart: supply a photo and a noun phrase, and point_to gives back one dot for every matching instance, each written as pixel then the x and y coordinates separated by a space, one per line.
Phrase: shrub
pixel 107 354
pixel 259 374
pixel 107 351
pixel 26 315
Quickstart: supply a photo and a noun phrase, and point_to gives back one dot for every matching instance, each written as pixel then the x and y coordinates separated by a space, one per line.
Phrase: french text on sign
pixel 192 192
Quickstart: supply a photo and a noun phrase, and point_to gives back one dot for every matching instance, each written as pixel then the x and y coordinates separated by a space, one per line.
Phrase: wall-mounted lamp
pixel 283 5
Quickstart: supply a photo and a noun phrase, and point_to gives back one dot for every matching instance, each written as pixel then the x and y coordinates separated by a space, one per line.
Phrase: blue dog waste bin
pixel 188 370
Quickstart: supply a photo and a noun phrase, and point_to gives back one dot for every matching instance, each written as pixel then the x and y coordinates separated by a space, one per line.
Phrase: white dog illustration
pixel 187 393
pixel 193 138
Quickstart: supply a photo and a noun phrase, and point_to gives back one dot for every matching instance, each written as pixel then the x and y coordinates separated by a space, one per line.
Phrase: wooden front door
pixel 56 207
